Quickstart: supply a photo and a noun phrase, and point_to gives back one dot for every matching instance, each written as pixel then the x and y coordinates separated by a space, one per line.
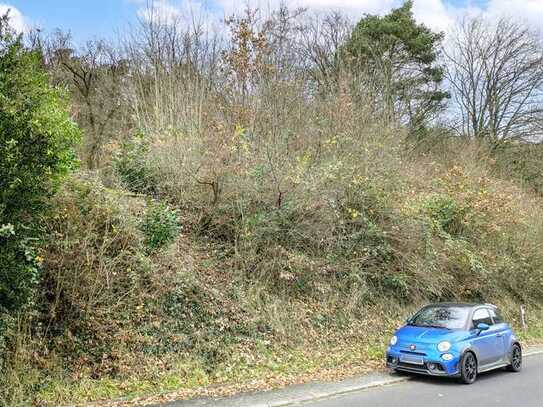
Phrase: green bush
pixel 36 150
pixel 446 213
pixel 132 167
pixel 20 268
pixel 159 225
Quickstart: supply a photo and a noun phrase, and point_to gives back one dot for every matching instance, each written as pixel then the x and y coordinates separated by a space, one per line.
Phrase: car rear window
pixel 436 316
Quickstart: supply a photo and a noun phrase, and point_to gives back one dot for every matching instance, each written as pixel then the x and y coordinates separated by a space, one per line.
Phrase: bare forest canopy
pixel 482 80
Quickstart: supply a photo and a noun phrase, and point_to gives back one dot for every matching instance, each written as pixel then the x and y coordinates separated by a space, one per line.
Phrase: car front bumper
pixel 431 363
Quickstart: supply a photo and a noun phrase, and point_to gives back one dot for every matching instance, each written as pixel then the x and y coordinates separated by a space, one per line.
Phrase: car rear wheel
pixel 516 359
pixel 468 368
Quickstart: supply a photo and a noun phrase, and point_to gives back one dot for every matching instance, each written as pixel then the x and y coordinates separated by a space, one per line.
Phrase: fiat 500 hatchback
pixel 456 340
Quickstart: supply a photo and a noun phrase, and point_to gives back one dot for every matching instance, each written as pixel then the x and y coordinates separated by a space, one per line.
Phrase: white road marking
pixel 534 352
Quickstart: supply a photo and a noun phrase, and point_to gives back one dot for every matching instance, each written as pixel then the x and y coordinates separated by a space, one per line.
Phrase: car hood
pixel 419 334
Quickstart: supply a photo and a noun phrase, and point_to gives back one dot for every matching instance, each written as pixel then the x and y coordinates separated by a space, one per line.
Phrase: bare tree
pixel 320 38
pixel 95 75
pixel 170 60
pixel 495 70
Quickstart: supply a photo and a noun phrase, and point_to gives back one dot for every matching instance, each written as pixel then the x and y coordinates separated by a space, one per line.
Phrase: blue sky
pixel 84 18
pixel 103 18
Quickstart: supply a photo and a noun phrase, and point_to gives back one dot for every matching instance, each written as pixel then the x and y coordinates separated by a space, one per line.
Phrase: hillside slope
pixel 168 288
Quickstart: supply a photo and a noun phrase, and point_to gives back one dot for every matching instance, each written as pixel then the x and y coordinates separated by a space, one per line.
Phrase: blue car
pixel 455 340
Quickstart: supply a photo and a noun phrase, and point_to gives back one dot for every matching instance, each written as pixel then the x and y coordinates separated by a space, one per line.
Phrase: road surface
pixel 497 388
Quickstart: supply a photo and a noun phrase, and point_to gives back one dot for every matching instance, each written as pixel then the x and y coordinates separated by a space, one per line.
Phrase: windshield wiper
pixel 428 326
pixel 436 326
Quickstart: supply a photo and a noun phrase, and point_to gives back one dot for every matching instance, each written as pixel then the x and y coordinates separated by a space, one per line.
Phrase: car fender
pixel 513 340
pixel 469 348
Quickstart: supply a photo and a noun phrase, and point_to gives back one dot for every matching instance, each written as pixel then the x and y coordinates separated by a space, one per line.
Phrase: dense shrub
pixel 106 308
pixel 20 267
pixel 159 225
pixel 36 140
pixel 447 214
pixel 93 257
pixel 131 164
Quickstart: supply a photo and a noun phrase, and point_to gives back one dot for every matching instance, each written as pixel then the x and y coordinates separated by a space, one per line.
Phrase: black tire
pixel 468 368
pixel 516 359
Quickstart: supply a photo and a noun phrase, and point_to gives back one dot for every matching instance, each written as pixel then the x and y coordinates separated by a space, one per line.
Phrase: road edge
pixel 307 392
pixel 377 383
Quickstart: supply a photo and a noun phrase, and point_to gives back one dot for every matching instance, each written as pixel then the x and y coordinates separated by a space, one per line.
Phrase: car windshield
pixel 448 317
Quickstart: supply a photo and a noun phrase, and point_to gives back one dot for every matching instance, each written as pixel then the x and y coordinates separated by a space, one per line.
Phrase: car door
pixel 503 332
pixel 485 342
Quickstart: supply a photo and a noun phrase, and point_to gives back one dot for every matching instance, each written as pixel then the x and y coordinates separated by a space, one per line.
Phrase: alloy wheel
pixel 470 368
pixel 516 358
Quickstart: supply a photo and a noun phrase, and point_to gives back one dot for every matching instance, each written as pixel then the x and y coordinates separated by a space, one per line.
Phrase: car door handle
pixel 499 334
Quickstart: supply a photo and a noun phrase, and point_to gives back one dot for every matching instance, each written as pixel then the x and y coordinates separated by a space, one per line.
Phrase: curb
pixel 325 395
pixel 534 352
pixel 296 394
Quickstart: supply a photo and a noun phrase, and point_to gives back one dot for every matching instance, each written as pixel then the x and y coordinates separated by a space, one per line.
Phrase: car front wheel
pixel 468 368
pixel 516 359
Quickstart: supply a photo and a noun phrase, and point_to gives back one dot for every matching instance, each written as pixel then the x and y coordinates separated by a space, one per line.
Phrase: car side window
pixel 481 315
pixel 496 316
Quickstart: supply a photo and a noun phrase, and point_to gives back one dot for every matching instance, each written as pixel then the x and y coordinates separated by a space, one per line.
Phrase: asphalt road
pixel 497 388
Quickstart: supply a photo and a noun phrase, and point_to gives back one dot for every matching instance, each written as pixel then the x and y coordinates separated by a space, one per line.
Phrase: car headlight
pixel 444 346
pixel 394 340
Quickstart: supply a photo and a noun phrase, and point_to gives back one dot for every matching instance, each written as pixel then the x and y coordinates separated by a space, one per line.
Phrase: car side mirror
pixel 482 327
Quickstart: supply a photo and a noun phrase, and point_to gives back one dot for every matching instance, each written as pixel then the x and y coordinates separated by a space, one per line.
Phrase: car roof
pixel 460 304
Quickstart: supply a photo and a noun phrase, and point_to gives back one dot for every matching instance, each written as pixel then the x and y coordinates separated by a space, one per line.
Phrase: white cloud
pixel 435 14
pixel 162 10
pixel 354 7
pixel 529 11
pixel 16 19
pixel 439 15
pixel 174 11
